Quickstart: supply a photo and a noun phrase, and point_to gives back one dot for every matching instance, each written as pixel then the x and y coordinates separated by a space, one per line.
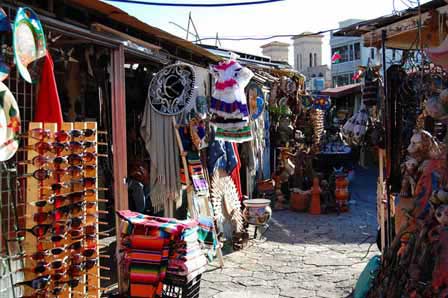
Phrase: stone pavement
pixel 303 255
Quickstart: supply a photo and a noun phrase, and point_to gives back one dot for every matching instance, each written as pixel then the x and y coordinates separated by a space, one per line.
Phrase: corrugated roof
pixel 120 16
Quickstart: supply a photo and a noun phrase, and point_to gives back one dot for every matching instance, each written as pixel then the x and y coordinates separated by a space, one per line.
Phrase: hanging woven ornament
pixel 226 205
pixel 172 89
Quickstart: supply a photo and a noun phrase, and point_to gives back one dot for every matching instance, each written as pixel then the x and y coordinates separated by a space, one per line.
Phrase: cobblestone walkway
pixel 303 255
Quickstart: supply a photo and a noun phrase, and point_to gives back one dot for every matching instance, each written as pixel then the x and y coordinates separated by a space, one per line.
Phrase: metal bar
pixel 119 143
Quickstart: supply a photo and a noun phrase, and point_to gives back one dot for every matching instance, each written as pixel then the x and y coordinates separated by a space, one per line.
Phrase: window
pixel 357 51
pixel 341 80
pixel 351 56
pixel 311 60
pixel 315 59
pixel 394 54
pixel 300 56
pixel 343 51
pixel 372 53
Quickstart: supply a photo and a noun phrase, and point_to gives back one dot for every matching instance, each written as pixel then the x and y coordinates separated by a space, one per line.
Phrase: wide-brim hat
pixel 9 123
pixel 29 44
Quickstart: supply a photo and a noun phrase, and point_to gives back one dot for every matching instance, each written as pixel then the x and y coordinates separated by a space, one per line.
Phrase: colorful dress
pixel 229 103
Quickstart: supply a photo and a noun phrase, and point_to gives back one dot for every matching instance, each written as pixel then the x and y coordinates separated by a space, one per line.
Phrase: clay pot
pixel 257 211
pixel 299 201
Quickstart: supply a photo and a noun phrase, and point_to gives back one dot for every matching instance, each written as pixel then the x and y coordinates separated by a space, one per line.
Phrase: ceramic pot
pixel 257 211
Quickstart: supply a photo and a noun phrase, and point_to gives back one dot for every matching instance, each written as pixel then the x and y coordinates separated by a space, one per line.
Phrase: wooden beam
pixel 119 144
pixel 101 28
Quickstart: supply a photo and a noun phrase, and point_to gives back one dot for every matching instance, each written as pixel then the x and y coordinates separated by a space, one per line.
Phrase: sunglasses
pixel 86 182
pixel 59 199
pixel 42 266
pixel 65 135
pixel 75 171
pixel 41 230
pixel 46 147
pixel 38 134
pixel 37 283
pixel 58 213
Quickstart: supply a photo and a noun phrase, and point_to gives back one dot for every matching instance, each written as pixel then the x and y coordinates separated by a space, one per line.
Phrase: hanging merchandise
pixel 157 132
pixel 172 89
pixel 226 205
pixel 356 127
pixel 321 102
pixel 9 124
pixel 256 100
pixel 317 118
pixel 229 103
pixel 28 43
pixel 371 85
pixel 48 106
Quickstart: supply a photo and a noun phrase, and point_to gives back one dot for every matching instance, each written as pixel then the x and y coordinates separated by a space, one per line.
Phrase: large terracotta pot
pixel 257 211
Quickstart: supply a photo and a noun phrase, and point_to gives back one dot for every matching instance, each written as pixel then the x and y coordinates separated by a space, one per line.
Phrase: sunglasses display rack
pixel 61 242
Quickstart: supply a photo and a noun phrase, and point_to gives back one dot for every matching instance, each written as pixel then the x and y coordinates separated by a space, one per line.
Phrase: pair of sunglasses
pixel 59 199
pixel 58 213
pixel 74 171
pixel 41 230
pixel 37 283
pixel 42 266
pixel 85 182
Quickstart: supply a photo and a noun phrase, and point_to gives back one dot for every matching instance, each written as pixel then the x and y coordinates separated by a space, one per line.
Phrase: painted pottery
pixel 28 43
pixel 257 211
pixel 9 124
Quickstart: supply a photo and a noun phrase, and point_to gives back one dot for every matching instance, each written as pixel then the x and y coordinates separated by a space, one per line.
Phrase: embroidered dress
pixel 229 103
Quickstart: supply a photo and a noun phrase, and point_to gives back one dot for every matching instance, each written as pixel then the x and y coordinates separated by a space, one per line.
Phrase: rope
pixel 196 4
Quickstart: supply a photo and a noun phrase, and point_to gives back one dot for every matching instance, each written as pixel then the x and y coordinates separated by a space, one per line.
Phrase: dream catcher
pixel 172 89
pixel 226 205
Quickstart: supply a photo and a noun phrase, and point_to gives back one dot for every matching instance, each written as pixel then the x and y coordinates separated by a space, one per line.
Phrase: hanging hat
pixel 172 89
pixel 9 123
pixel 28 43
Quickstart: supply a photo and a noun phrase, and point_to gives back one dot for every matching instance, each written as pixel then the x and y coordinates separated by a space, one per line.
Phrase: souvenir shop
pixel 408 130
pixel 66 142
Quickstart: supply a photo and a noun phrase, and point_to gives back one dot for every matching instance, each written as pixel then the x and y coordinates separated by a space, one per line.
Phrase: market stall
pixel 410 136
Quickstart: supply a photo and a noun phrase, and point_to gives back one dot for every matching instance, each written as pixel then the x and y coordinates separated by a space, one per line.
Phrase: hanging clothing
pixel 220 156
pixel 235 174
pixel 157 132
pixel 48 106
pixel 229 103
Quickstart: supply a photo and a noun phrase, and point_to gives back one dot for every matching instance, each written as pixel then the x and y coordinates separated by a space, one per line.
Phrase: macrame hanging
pixel 226 205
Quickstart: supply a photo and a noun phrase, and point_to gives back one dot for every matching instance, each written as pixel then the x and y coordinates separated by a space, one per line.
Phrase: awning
pixel 402 28
pixel 342 91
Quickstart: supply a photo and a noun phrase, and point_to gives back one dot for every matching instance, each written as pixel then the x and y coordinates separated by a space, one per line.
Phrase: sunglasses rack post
pixel 72 202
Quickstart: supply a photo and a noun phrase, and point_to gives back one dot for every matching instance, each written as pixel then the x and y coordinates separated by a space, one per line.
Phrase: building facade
pixel 353 54
pixel 308 58
pixel 277 51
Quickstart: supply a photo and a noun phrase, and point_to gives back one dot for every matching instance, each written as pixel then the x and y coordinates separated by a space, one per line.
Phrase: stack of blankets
pixel 154 247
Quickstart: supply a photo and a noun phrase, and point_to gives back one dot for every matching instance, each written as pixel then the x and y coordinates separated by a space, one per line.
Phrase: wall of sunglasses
pixel 61 236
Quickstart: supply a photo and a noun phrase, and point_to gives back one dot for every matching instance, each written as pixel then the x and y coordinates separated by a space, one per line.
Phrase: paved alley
pixel 303 255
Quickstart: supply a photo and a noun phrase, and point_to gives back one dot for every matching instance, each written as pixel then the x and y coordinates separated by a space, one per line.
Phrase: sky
pixel 285 17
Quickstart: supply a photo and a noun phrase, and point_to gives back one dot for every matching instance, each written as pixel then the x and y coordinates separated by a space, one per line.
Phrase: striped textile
pixel 154 246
